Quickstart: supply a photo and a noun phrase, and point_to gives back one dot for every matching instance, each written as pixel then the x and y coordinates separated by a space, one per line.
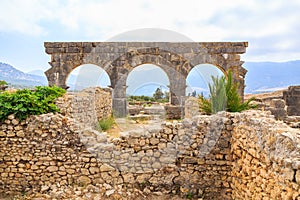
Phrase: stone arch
pixel 216 60
pixel 117 58
pixel 199 78
pixel 89 76
pixel 161 80
pixel 161 58
pixel 225 63
pixel 121 67
pixel 58 75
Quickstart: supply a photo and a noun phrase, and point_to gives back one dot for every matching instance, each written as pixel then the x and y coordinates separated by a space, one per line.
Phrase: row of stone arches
pixel 120 58
pixel 141 78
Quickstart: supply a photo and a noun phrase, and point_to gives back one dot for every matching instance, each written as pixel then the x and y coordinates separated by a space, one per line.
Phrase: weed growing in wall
pixel 25 102
pixel 107 123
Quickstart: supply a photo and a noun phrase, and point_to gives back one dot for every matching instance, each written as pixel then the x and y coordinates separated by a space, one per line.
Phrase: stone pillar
pixel 58 74
pixel 119 101
pixel 56 78
pixel 238 72
pixel 177 97
pixel 177 89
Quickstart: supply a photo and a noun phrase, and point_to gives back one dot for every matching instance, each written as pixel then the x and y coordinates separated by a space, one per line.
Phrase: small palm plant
pixel 218 94
pixel 224 96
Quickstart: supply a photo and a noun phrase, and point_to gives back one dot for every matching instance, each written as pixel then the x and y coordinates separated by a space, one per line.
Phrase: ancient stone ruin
pixel 177 59
pixel 292 99
pixel 247 155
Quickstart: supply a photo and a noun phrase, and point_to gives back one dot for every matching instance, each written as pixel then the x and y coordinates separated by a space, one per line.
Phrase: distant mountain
pixel 261 77
pixel 37 72
pixel 18 78
pixel 271 76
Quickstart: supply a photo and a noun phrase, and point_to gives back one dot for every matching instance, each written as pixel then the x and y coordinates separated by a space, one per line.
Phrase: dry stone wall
pixel 245 155
pixel 53 149
pixel 266 158
pixel 88 106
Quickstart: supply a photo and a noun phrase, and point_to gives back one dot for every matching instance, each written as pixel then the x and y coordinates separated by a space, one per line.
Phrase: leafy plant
pixel 204 104
pixel 107 123
pixel 234 101
pixel 3 83
pixel 218 94
pixel 224 96
pixel 189 195
pixel 25 102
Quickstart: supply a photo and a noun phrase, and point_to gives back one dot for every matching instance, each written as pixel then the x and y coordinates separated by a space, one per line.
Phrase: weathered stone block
pixel 277 103
pixel 173 112
pixel 293 100
pixel 293 110
pixel 279 113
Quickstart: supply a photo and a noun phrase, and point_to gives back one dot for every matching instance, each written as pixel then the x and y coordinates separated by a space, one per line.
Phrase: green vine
pixel 25 102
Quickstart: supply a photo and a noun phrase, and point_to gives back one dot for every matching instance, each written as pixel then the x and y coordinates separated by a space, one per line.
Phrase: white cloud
pixel 24 16
pixel 214 20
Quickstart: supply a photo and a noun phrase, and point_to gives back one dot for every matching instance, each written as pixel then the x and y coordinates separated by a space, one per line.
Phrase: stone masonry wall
pixel 266 158
pixel 53 149
pixel 88 106
pixel 245 155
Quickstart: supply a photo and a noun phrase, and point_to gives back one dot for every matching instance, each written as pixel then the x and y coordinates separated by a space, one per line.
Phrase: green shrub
pixel 3 83
pixel 25 102
pixel 107 123
pixel 3 86
pixel 224 96
pixel 158 96
pixel 204 105
pixel 133 98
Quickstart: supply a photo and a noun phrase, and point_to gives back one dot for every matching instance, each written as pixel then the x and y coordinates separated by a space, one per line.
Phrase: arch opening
pixel 145 79
pixel 87 75
pixel 200 77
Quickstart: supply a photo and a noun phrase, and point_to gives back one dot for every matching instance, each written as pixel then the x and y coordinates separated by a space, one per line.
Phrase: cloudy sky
pixel 272 27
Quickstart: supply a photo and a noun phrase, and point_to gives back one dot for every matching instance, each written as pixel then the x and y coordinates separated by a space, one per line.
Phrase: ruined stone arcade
pixel 118 59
